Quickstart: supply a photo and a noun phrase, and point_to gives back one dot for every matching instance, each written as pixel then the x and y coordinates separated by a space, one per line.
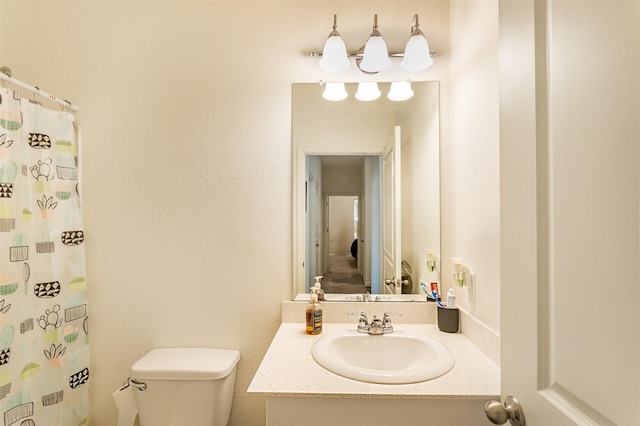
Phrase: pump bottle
pixel 317 288
pixel 313 315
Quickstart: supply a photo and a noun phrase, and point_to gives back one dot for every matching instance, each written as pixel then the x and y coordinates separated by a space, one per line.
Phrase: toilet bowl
pixel 185 386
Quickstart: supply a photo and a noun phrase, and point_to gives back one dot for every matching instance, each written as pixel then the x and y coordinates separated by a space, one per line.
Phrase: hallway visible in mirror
pixel 343 276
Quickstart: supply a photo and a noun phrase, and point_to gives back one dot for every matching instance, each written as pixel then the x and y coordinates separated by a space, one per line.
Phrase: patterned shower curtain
pixel 44 344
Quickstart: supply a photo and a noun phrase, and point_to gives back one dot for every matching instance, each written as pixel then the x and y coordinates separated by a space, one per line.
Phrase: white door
pixel 313 226
pixel 570 210
pixel 391 247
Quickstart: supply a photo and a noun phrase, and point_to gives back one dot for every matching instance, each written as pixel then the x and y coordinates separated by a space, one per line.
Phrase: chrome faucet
pixel 377 326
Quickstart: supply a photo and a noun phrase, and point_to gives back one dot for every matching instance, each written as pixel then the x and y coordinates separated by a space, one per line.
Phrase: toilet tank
pixel 185 386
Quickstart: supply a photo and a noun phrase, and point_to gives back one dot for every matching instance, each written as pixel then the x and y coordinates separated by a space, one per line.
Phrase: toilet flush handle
pixel 141 386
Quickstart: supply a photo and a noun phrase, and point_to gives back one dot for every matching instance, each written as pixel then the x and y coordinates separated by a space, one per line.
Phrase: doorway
pixel 343 274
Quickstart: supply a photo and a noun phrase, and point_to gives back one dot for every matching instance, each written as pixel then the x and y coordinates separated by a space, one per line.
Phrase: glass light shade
pixel 376 55
pixel 400 91
pixel 334 92
pixel 334 55
pixel 368 91
pixel 416 54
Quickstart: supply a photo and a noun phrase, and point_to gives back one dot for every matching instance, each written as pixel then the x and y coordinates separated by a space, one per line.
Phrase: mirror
pixel 339 163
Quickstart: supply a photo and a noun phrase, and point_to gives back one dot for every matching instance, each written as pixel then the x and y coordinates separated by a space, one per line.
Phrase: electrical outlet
pixel 471 287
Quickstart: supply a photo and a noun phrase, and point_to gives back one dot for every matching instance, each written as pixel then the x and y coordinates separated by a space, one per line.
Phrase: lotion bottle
pixel 313 315
pixel 318 288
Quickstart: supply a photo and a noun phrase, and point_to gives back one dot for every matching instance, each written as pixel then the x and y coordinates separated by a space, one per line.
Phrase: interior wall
pixel 471 195
pixel 420 199
pixel 323 127
pixel 341 208
pixel 186 113
pixel 341 180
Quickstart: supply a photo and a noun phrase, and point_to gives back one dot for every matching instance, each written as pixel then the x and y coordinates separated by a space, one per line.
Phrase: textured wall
pixel 186 112
pixel 472 195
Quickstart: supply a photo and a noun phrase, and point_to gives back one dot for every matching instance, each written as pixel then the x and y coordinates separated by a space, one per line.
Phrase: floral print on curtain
pixel 44 343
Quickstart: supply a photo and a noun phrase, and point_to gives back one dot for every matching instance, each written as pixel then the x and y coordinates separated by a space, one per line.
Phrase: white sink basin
pixel 396 358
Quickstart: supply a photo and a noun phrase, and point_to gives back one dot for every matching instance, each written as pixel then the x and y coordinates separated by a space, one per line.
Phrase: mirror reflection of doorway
pixel 343 175
pixel 343 274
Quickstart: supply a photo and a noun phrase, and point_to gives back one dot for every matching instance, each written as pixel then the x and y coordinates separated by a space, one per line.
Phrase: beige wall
pixel 341 224
pixel 471 197
pixel 186 113
pixel 420 183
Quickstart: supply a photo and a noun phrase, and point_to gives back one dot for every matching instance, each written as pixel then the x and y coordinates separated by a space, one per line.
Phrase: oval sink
pixel 395 358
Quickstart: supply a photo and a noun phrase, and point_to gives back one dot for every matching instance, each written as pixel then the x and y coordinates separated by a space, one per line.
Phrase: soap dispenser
pixel 313 315
pixel 317 288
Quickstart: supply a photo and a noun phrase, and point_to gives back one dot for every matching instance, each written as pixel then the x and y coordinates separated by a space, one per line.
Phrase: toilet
pixel 185 386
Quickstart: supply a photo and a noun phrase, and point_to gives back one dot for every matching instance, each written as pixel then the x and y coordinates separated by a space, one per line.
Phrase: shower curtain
pixel 44 344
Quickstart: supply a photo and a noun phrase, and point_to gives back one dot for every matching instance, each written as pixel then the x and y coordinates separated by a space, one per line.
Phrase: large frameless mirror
pixel 366 201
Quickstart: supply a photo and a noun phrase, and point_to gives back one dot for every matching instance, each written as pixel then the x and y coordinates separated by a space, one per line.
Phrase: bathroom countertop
pixel 288 369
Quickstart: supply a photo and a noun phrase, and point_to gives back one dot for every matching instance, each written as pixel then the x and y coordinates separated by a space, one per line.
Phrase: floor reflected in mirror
pixel 343 276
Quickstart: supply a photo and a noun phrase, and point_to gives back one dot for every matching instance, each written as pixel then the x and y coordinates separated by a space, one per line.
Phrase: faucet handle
pixel 386 321
pixel 363 322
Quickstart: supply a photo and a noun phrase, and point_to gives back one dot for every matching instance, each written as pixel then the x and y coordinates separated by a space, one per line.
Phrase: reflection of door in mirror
pixel 313 219
pixel 391 232
pixel 342 203
pixel 342 273
pixel 351 129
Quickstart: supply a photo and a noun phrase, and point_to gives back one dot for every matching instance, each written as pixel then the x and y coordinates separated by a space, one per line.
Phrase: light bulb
pixel 416 54
pixel 400 91
pixel 334 53
pixel 368 91
pixel 376 55
pixel 334 92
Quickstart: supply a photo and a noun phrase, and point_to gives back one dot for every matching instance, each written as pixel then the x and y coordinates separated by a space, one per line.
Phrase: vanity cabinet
pixel 299 391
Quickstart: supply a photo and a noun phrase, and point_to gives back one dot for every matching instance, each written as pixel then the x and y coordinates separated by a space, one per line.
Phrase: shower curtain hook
pixel 6 71
pixel 36 96
pixel 67 106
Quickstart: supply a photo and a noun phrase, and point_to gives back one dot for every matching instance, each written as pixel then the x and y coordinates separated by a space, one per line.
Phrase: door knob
pixel 499 413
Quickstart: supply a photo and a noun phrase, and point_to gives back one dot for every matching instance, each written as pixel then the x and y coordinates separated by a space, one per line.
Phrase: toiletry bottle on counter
pixel 318 288
pixel 434 288
pixel 451 298
pixel 314 315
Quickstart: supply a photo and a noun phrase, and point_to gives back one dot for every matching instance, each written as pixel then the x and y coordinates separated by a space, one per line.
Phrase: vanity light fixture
pixel 416 54
pixel 334 92
pixel 374 56
pixel 367 91
pixel 400 91
pixel 334 54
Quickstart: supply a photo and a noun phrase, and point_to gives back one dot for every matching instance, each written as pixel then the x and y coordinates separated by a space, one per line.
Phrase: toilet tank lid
pixel 185 364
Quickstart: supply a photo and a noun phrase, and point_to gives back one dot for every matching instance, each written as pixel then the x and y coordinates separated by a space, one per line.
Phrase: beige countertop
pixel 288 369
